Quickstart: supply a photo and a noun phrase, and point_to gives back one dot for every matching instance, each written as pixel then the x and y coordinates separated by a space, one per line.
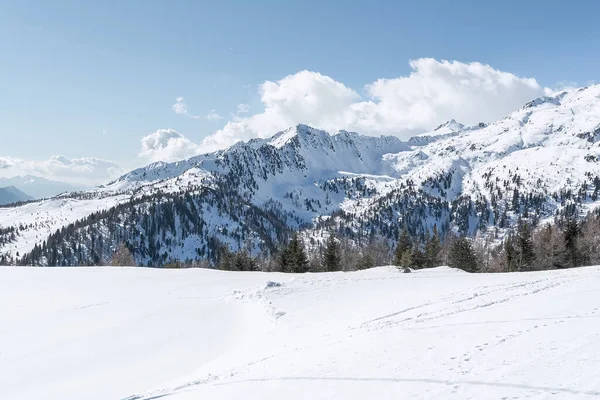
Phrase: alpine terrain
pixel 539 163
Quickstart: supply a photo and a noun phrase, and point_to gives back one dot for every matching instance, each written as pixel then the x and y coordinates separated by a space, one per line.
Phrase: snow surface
pixel 41 219
pixel 126 333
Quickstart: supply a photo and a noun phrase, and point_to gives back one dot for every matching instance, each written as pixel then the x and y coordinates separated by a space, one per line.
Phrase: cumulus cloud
pixel 213 116
pixel 167 145
pixel 85 171
pixel 305 97
pixel 434 92
pixel 180 107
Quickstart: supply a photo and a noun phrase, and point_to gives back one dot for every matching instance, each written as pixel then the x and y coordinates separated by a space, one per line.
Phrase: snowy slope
pixel 120 333
pixel 39 219
pixel 549 146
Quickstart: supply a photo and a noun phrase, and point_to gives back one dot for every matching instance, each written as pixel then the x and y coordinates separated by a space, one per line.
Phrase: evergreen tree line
pixel 339 254
pixel 567 243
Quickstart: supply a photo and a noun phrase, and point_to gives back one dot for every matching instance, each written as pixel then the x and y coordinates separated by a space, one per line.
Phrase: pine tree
pixel 433 248
pixel 524 250
pixel 510 254
pixel 404 245
pixel 282 259
pixel 515 201
pixel 293 257
pixel 242 261
pixel 571 234
pixel 332 255
pixel 225 259
pixel 463 256
pixel 417 258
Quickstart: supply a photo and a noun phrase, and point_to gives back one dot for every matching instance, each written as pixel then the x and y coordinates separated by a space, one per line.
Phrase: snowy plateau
pixel 142 334
pixel 539 162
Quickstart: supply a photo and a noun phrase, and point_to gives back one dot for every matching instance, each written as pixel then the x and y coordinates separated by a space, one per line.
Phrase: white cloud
pixel 85 171
pixel 5 163
pixel 434 92
pixel 167 145
pixel 242 108
pixel 213 116
pixel 180 107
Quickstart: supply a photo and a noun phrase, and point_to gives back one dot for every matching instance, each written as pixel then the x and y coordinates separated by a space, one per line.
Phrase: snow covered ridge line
pixel 18 203
pixel 539 163
pixel 38 200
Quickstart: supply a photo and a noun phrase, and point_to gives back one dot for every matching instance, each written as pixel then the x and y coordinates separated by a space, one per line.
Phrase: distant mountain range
pixel 38 187
pixel 537 163
pixel 11 194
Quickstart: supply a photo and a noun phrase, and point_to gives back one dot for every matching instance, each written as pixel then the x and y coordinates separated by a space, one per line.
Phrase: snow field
pixel 127 333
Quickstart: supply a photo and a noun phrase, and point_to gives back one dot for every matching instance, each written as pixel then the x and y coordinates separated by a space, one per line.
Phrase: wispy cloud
pixel 242 108
pixel 213 116
pixel 180 107
pixel 564 85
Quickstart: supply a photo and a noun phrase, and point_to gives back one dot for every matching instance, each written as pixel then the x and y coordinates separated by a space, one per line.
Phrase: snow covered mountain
pixel 11 194
pixel 538 162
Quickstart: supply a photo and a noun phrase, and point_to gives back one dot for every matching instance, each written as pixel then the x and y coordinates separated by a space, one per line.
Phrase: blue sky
pixel 92 78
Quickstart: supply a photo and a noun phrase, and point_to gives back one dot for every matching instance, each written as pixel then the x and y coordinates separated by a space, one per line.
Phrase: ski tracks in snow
pixel 480 297
pixel 462 365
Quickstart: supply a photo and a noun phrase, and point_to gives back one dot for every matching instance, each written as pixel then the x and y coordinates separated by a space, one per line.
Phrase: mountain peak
pixel 280 139
pixel 11 194
pixel 451 125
